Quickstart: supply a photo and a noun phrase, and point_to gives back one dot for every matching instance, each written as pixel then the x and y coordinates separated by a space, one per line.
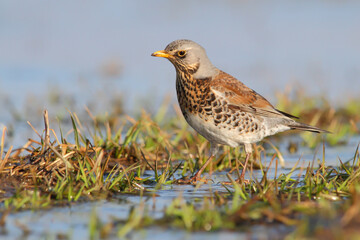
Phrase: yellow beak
pixel 161 53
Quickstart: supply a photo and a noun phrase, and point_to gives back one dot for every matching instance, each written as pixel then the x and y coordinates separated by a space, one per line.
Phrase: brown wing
pixel 242 98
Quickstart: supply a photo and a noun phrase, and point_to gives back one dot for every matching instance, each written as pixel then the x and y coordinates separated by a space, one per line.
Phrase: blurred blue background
pixel 92 52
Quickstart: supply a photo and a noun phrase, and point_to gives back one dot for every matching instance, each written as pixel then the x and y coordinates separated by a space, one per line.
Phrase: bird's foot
pixel 193 180
pixel 240 181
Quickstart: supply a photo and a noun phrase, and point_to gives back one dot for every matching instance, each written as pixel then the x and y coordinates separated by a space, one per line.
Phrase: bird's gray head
pixel 189 56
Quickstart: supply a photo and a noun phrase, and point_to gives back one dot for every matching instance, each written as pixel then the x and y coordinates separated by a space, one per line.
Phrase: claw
pixel 194 180
pixel 245 181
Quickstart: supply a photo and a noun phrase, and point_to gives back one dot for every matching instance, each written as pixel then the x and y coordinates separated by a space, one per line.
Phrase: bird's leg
pixel 197 176
pixel 242 176
pixel 213 150
pixel 241 179
pixel 248 151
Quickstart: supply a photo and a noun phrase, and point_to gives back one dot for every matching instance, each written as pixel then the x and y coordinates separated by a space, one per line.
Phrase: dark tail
pixel 305 127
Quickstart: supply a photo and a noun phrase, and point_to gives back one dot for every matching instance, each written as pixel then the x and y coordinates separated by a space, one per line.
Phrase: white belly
pixel 223 134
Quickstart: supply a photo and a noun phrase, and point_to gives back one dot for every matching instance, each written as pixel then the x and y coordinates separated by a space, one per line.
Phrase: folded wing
pixel 242 98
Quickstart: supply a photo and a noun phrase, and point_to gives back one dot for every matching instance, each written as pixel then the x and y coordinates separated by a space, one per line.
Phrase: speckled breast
pixel 214 118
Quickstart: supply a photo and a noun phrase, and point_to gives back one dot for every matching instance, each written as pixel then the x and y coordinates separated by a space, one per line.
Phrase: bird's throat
pixel 191 93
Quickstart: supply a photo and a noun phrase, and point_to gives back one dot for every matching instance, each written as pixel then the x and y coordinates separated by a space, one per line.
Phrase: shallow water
pixel 73 220
pixel 74 223
pixel 52 57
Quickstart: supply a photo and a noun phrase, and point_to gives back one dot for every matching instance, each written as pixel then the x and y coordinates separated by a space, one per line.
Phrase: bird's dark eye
pixel 181 53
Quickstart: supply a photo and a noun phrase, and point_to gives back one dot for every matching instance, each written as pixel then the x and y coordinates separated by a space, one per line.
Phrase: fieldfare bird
pixel 220 107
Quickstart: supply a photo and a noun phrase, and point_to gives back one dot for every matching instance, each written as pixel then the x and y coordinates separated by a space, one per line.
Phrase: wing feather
pixel 242 98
